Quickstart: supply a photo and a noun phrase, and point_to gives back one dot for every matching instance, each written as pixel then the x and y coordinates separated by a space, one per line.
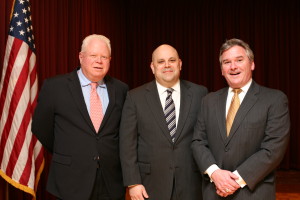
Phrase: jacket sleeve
pixel 273 145
pixel 128 143
pixel 200 146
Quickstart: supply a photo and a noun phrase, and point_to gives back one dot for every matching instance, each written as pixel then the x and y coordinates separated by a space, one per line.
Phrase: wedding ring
pixel 227 190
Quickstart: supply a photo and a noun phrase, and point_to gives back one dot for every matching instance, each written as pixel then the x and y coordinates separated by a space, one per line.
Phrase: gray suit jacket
pixel 255 147
pixel 148 155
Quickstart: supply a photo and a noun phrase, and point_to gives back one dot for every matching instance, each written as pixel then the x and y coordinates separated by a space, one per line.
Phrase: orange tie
pixel 234 106
pixel 96 112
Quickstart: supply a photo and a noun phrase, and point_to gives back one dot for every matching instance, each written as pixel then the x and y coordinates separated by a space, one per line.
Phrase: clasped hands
pixel 225 182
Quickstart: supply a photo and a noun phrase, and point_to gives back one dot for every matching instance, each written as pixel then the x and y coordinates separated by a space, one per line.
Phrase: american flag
pixel 21 154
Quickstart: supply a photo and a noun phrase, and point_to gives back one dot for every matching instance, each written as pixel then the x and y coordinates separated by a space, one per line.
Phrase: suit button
pixel 226 149
pixel 97 138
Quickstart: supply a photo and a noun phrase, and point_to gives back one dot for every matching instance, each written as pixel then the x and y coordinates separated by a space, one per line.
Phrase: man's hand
pixel 137 192
pixel 225 182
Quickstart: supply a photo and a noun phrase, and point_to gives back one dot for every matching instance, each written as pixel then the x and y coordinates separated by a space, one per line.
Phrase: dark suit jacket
pixel 148 155
pixel 256 145
pixel 62 123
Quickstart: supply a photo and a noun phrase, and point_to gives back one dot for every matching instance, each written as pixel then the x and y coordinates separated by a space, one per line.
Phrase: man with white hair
pixel 77 119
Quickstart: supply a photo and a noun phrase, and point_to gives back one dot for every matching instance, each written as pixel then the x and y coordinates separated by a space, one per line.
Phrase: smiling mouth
pixel 235 74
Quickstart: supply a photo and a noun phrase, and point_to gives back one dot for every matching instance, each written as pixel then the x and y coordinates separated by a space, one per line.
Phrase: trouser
pixel 100 191
pixel 174 195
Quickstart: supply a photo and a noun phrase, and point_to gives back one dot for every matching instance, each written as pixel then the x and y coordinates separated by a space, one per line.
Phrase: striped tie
pixel 170 114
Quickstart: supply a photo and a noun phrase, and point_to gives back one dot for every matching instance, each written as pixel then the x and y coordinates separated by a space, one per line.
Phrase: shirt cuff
pixel 211 170
pixel 240 180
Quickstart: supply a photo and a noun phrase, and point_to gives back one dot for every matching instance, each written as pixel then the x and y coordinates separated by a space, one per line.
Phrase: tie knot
pixel 94 85
pixel 169 91
pixel 237 90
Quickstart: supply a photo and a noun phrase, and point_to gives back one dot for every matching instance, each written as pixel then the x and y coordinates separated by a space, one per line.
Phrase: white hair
pixel 101 37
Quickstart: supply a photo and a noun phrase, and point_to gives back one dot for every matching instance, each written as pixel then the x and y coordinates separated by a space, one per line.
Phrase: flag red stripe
pixel 39 159
pixel 13 54
pixel 18 143
pixel 27 170
pixel 18 90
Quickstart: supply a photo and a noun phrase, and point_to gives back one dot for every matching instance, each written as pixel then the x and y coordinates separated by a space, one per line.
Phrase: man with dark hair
pixel 242 131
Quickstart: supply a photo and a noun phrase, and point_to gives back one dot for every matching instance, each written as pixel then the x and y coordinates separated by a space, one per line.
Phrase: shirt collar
pixel 84 81
pixel 245 88
pixel 161 89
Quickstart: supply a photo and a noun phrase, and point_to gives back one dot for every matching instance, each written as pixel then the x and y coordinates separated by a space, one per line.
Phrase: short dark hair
pixel 236 42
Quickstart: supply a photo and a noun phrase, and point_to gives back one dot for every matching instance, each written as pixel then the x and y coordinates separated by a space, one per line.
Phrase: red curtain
pixel 195 28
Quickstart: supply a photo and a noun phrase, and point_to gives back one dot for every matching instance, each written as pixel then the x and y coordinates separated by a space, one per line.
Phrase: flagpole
pixel 7 191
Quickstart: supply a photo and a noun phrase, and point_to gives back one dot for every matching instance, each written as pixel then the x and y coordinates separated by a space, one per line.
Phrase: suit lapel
pixel 185 104
pixel 154 103
pixel 248 102
pixel 112 100
pixel 221 112
pixel 76 91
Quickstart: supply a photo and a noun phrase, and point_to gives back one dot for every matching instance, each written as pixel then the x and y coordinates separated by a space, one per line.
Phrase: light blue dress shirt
pixel 86 90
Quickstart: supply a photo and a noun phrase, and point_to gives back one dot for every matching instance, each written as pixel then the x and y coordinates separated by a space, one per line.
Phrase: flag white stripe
pixel 12 83
pixel 32 62
pixel 17 120
pixel 22 159
pixel 34 90
pixel 9 43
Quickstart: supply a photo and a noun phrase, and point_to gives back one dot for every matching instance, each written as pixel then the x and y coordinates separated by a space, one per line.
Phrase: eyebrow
pixel 234 58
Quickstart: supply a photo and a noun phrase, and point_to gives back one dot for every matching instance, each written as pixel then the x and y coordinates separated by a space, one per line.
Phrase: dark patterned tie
pixel 170 114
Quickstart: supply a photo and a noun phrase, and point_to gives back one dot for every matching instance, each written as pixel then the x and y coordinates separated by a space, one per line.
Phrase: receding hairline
pixel 163 45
